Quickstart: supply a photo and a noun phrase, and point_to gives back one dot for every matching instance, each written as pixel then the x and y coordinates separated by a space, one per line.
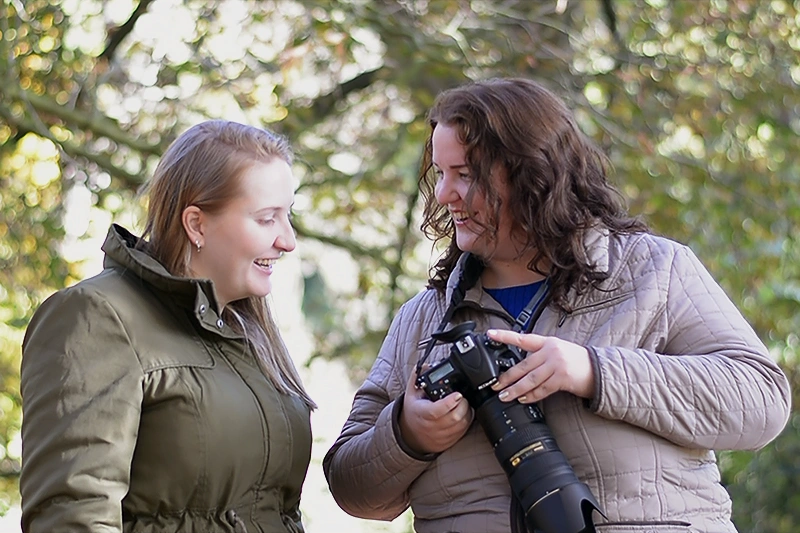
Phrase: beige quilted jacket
pixel 679 373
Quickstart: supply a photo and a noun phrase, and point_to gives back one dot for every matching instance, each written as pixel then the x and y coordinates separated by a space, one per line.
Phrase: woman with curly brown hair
pixel 639 363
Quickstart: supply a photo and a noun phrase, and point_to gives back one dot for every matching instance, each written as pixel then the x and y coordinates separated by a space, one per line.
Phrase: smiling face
pixel 471 215
pixel 241 242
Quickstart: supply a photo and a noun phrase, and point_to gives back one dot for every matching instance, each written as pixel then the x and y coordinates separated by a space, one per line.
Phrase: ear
pixel 192 219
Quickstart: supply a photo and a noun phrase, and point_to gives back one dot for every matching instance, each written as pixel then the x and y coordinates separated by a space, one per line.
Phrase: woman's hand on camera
pixel 432 427
pixel 552 365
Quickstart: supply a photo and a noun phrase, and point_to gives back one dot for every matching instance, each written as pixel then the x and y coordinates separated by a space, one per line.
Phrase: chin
pixel 263 291
pixel 470 245
pixel 466 243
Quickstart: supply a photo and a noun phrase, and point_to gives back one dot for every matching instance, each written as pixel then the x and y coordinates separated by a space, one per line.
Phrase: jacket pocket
pixel 672 526
pixel 180 351
pixel 596 306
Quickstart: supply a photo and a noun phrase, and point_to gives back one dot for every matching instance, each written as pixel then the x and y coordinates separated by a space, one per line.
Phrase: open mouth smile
pixel 459 217
pixel 265 263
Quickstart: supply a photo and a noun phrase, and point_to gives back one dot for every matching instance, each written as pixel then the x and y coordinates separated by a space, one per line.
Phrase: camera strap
pixel 473 268
pixel 528 316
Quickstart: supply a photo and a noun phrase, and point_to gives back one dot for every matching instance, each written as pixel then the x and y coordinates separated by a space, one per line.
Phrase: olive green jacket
pixel 144 412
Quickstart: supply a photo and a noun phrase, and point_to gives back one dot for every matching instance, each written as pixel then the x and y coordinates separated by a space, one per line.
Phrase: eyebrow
pixel 462 165
pixel 272 209
pixel 266 210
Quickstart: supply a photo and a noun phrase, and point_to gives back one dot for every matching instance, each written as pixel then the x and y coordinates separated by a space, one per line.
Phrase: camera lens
pixel 553 498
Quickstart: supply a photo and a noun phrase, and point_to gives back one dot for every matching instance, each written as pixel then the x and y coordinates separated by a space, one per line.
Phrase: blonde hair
pixel 202 167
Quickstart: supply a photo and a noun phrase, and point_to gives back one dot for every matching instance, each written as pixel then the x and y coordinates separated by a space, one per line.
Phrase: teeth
pixel 459 215
pixel 265 262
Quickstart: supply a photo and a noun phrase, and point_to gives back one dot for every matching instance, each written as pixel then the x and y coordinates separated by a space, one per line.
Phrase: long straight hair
pixel 203 167
pixel 557 178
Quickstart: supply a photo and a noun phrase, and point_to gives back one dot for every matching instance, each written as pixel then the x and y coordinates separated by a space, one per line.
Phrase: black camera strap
pixel 473 268
pixel 528 316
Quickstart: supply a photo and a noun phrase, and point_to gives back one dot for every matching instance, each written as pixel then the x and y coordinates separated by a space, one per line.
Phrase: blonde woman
pixel 158 395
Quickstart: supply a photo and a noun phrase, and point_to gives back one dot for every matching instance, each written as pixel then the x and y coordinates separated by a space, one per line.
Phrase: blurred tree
pixel 697 104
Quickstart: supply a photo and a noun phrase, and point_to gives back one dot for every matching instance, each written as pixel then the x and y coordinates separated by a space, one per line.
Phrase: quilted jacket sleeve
pixel 367 469
pixel 713 385
pixel 81 397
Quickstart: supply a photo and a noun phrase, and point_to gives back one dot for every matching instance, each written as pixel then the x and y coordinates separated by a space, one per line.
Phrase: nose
pixel 286 241
pixel 445 190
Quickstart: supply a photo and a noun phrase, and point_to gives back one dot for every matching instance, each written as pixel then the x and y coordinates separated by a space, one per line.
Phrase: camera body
pixel 541 478
pixel 476 363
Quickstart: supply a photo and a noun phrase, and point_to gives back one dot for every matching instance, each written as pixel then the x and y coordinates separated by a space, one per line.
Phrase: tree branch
pixel 611 16
pixel 611 22
pixel 324 105
pixel 353 248
pixel 118 33
pixel 100 125
pixel 71 150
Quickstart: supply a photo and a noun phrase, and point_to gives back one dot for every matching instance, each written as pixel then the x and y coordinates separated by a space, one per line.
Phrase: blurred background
pixel 696 103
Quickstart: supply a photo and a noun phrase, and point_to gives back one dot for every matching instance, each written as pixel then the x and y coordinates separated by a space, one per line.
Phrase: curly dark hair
pixel 557 178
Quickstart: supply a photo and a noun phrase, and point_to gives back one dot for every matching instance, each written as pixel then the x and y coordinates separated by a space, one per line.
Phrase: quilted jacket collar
pixel 595 243
pixel 596 247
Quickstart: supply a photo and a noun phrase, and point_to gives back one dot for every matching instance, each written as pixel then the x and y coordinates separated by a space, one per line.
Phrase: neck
pixel 502 274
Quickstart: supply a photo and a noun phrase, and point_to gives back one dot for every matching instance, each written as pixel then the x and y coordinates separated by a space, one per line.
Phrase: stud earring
pixel 197 243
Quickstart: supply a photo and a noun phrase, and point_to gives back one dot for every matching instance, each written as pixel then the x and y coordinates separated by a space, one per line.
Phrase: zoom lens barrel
pixel 552 497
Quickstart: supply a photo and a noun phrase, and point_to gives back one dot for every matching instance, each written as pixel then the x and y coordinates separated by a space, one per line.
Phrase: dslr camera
pixel 541 478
